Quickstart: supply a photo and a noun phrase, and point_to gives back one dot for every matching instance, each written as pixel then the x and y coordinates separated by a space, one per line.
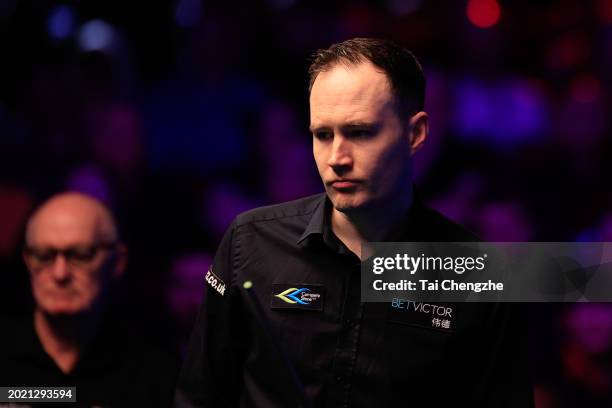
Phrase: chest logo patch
pixel 428 315
pixel 299 296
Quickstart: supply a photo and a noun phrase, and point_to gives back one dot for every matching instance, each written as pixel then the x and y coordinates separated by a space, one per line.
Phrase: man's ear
pixel 419 129
pixel 120 261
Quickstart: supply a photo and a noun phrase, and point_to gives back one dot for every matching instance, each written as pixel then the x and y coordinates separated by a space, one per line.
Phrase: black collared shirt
pixel 119 368
pixel 345 352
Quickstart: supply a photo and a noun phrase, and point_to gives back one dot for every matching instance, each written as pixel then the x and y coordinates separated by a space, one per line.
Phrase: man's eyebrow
pixel 314 129
pixel 348 126
pixel 361 125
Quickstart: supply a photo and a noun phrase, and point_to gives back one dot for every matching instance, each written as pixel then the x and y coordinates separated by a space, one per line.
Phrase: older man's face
pixel 70 261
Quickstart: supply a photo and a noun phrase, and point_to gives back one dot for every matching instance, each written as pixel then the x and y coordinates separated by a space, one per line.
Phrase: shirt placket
pixel 348 339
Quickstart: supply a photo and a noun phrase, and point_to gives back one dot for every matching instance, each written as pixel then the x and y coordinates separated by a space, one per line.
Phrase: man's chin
pixel 359 201
pixel 63 310
pixel 347 205
pixel 346 209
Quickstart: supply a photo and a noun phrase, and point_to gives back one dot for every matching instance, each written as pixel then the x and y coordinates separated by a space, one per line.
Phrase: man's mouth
pixel 61 295
pixel 344 184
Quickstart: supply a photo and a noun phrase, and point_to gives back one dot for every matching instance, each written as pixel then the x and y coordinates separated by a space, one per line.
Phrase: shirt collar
pixel 316 225
pixel 319 231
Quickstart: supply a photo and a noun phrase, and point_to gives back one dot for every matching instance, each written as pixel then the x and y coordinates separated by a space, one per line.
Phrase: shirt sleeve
pixel 212 370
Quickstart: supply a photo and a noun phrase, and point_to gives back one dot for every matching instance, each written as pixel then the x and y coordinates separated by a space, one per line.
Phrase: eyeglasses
pixel 77 255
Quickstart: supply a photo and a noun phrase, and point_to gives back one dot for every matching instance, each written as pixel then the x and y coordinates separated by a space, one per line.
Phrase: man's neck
pixel 370 225
pixel 64 337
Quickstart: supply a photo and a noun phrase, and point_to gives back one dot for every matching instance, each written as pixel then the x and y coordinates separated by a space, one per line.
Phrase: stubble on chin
pixel 345 209
pixel 342 202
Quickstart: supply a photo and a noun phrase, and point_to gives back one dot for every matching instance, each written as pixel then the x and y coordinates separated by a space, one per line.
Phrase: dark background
pixel 180 114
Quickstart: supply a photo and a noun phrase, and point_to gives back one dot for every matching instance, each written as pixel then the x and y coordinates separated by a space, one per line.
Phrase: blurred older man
pixel 74 255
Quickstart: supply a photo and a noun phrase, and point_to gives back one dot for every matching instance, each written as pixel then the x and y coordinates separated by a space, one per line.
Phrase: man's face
pixel 69 264
pixel 361 145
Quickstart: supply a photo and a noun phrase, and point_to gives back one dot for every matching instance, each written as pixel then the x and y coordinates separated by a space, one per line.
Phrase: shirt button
pixel 339 379
pixel 348 323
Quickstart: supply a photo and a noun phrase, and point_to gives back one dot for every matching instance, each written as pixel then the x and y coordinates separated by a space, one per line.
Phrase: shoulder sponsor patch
pixel 297 296
pixel 214 281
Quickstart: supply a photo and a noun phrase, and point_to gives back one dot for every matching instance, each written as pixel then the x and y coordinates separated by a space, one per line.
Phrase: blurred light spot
pixel 504 113
pixel 222 203
pixel 591 326
pixel 96 35
pixel 568 51
pixel 188 12
pixel 15 205
pixel 355 20
pixel 61 22
pixel 604 11
pixel 89 179
pixel 586 134
pixel 585 88
pixel 504 221
pixel 483 13
pixel 184 289
pixel 404 7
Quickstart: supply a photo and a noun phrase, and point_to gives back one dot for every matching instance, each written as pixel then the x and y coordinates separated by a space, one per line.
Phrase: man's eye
pixel 322 135
pixel 44 256
pixel 83 255
pixel 360 133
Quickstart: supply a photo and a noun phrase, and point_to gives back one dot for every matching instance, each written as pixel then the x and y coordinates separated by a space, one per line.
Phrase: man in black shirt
pixel 74 338
pixel 303 261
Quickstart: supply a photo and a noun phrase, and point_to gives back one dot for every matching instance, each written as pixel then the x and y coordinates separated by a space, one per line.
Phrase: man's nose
pixel 60 269
pixel 341 155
